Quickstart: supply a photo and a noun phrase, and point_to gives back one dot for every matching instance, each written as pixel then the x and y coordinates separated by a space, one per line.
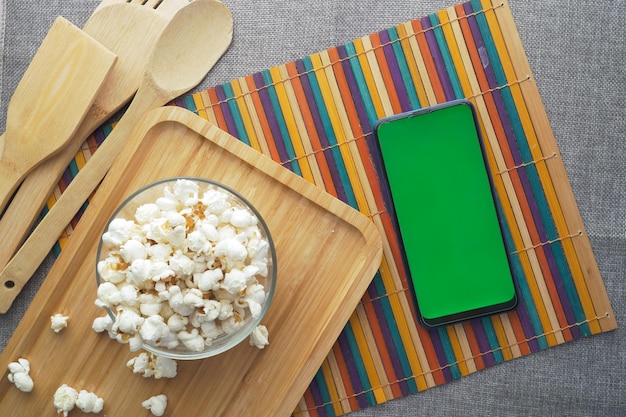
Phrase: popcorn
pixel 225 231
pixel 164 367
pixel 183 271
pixel 252 304
pixel 128 294
pixel 21 366
pixel 153 329
pixel 22 381
pixel 210 330
pixel 232 324
pixel 65 399
pixel 19 375
pixel 108 295
pixel 215 201
pixel 192 340
pixel 211 309
pixel 233 251
pixel 193 297
pixel 259 337
pixel 132 250
pixel 208 228
pixel 58 322
pixel 160 270
pixel 135 342
pixel 138 272
pixel 176 300
pixel 181 264
pixel 146 213
pixel 150 305
pixel 234 281
pixel 160 252
pixel 157 230
pixel 198 242
pixel 176 322
pixel 102 324
pixel 185 191
pixel 128 320
pixel 111 271
pixel 208 280
pixel 119 231
pixel 141 365
pixel 151 365
pixel 88 402
pixel 226 310
pixel 156 404
pixel 242 218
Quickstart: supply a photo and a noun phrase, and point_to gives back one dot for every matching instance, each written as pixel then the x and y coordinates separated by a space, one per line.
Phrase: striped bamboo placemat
pixel 315 116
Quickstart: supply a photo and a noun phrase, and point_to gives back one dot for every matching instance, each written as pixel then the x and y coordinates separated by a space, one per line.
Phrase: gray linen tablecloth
pixel 576 51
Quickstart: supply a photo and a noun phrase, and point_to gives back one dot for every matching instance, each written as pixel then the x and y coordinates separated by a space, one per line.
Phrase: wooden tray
pixel 327 254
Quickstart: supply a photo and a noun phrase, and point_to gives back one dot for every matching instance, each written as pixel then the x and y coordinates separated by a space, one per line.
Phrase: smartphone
pixel 444 205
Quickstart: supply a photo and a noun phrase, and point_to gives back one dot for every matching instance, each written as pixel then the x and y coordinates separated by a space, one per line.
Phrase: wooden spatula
pixel 50 101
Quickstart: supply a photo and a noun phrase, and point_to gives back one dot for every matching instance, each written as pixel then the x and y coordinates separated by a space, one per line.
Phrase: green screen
pixel 446 212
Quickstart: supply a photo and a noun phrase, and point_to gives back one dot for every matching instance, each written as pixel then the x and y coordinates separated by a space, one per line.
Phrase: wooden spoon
pixel 50 101
pixel 130 30
pixel 194 40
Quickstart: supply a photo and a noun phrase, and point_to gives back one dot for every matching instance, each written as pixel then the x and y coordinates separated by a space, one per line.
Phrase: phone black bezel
pixel 432 323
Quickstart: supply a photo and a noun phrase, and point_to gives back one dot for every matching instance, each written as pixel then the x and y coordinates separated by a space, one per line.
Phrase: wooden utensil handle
pixel 20 216
pixel 26 261
pixel 10 177
pixel 1 145
pixel 10 287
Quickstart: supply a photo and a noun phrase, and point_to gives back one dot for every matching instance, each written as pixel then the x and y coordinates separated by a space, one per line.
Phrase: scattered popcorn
pixel 151 365
pixel 89 402
pixel 58 322
pixel 22 365
pixel 22 381
pixel 164 367
pixel 259 337
pixel 141 365
pixel 156 405
pixel 184 271
pixel 19 375
pixel 65 399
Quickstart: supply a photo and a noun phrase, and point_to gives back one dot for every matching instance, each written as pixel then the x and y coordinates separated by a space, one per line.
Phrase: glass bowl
pixel 176 254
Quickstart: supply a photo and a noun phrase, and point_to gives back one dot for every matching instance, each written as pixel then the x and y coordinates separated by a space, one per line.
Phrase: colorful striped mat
pixel 315 116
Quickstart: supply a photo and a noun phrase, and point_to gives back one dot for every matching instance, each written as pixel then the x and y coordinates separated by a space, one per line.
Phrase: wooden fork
pixel 128 28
